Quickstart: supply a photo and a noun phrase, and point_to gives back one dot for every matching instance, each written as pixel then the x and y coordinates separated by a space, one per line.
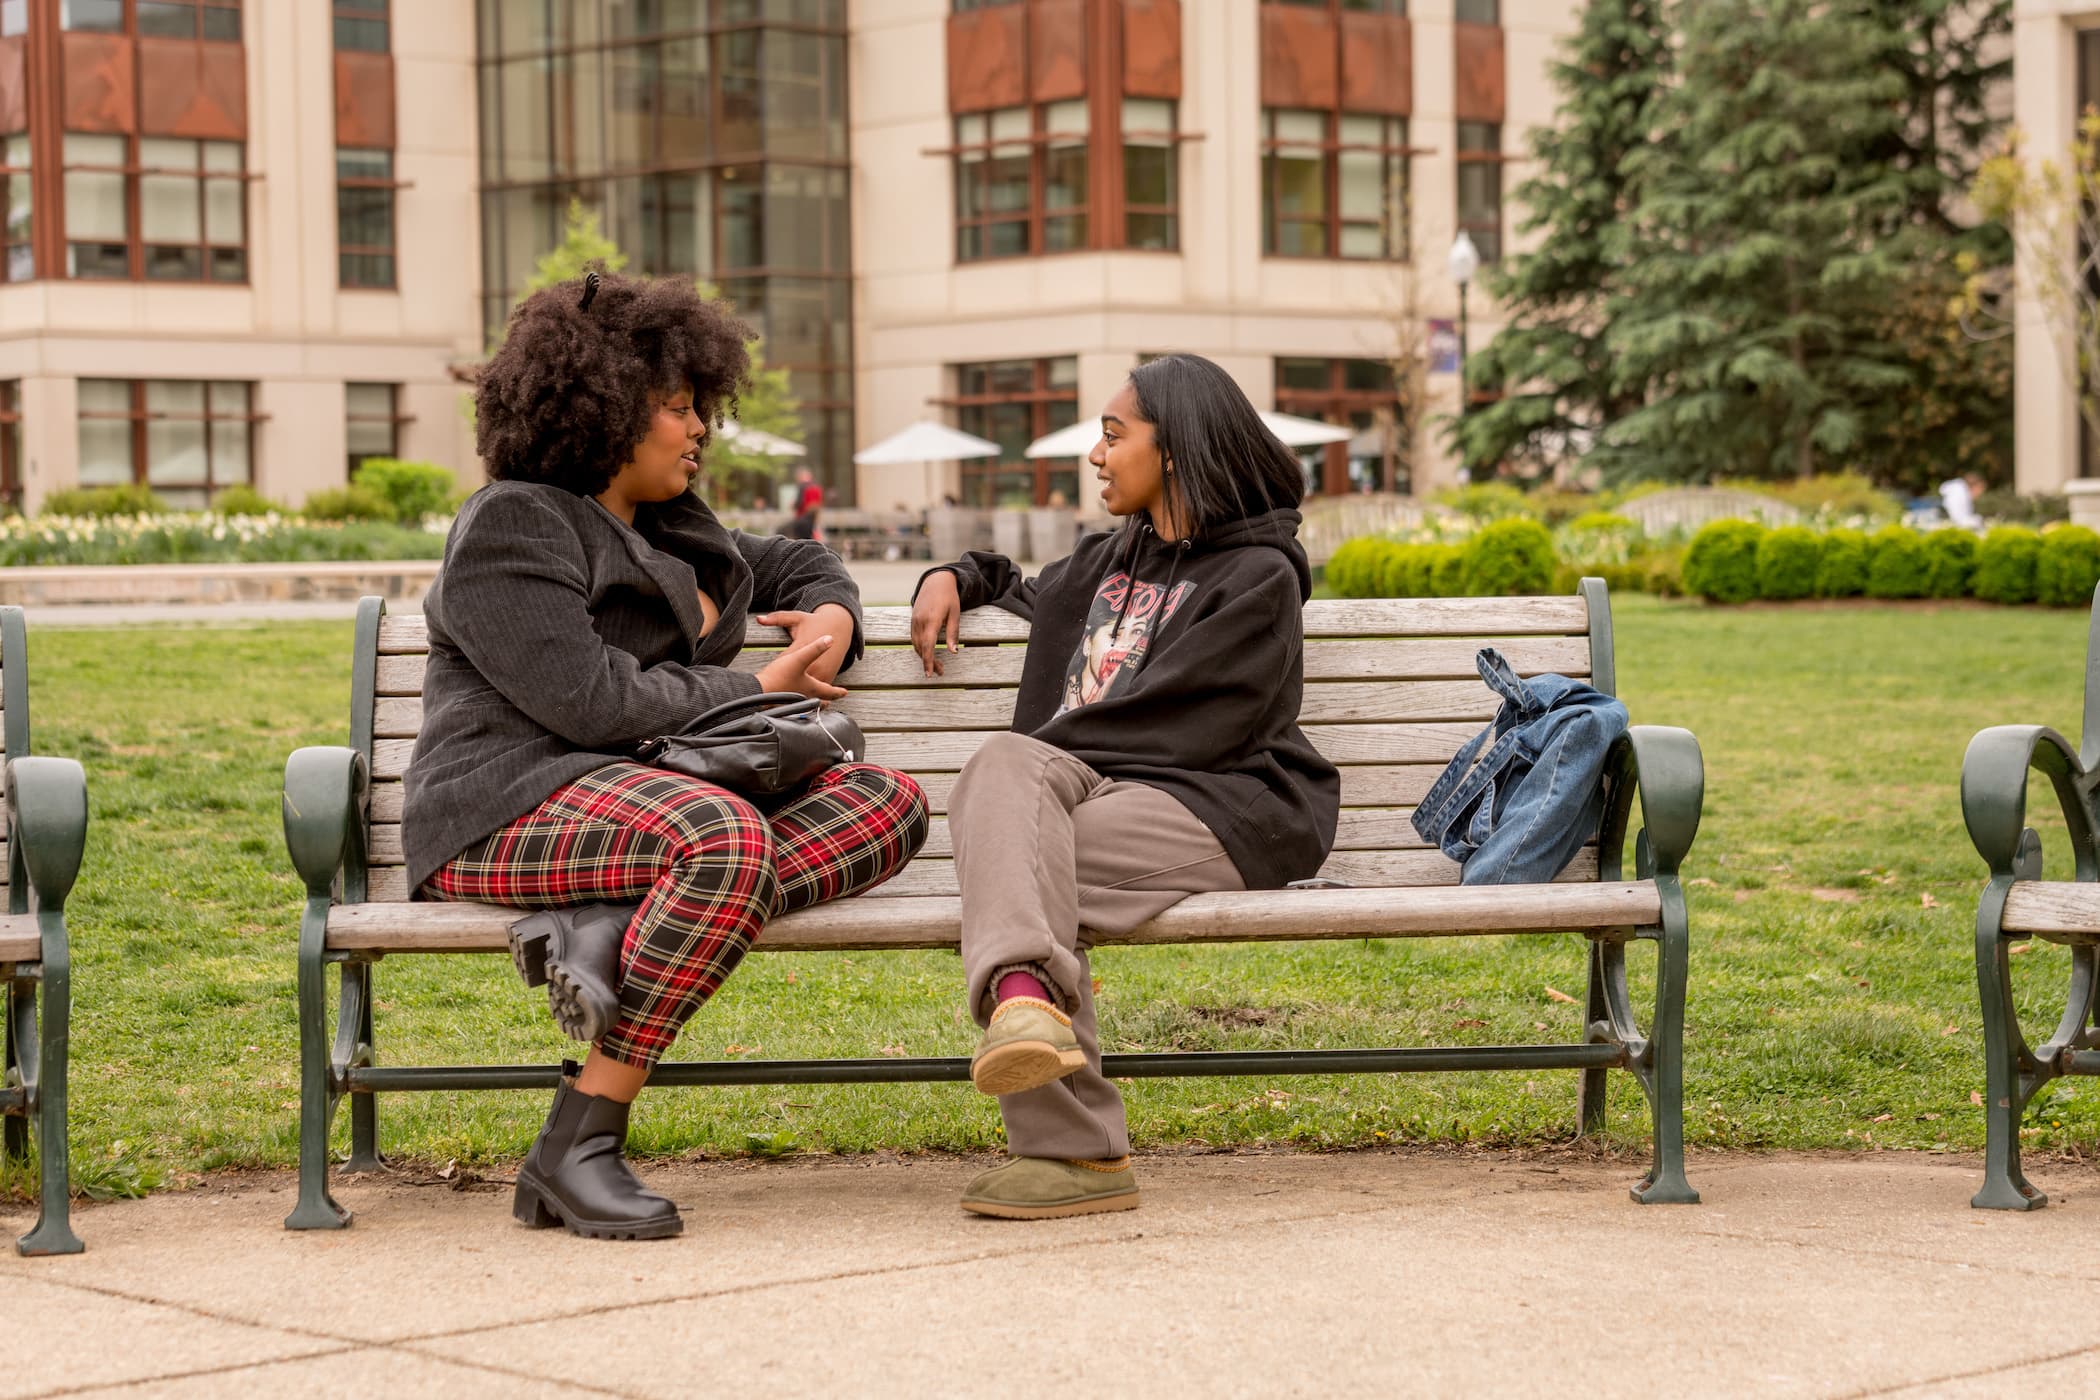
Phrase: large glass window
pixel 364 217
pixel 709 137
pixel 190 19
pixel 1014 402
pixel 95 16
pixel 1151 180
pixel 1480 186
pixel 185 438
pixel 17 210
pixel 191 201
pixel 1334 185
pixel 1021 181
pixel 1480 11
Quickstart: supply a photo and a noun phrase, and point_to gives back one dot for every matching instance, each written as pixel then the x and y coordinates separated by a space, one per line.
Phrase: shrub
pixel 1348 569
pixel 2068 567
pixel 1414 570
pixel 1598 538
pixel 2008 507
pixel 1447 570
pixel 1508 557
pixel 104 501
pixel 347 503
pixel 1558 507
pixel 1953 558
pixel 1843 571
pixel 2005 565
pixel 1663 574
pixel 1837 495
pixel 242 500
pixel 415 490
pixel 1489 500
pixel 1787 561
pixel 1721 564
pixel 1897 565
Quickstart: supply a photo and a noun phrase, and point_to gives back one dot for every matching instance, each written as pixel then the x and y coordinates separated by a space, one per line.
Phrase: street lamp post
pixel 1464 262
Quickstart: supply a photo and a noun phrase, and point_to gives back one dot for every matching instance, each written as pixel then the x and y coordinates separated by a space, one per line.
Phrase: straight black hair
pixel 1227 464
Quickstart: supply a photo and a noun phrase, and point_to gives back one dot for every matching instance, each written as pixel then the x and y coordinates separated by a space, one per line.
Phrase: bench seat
pixel 935 921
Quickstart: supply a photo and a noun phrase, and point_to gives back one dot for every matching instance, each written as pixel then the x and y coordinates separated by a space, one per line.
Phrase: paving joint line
pixel 1902 1386
pixel 194 1374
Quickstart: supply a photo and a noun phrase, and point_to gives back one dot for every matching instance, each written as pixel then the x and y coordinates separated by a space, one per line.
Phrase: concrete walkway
pixel 1364 1274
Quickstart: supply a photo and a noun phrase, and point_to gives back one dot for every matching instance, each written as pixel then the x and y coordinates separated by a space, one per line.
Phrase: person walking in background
pixel 1155 753
pixel 809 500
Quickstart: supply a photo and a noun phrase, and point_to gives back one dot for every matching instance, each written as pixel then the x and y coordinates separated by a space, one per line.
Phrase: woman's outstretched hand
pixel 796 669
pixel 830 621
pixel 937 609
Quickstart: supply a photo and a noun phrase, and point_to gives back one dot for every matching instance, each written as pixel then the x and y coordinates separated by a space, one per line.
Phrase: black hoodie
pixel 1180 666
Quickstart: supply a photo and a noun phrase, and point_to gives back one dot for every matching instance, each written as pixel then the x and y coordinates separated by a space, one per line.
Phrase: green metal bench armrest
pixel 1994 796
pixel 47 800
pixel 324 805
pixel 1665 766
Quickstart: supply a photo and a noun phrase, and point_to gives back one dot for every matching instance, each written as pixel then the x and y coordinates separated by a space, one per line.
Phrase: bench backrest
pixel 1391 693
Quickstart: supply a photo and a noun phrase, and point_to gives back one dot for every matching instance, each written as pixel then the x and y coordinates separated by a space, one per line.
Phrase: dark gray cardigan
pixel 560 638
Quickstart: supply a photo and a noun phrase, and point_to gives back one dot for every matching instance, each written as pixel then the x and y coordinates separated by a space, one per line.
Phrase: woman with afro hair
pixel 589 602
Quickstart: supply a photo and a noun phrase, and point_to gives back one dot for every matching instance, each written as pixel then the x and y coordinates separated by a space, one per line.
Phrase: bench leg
pixel 1664 1076
pixel 355 1016
pixel 2010 1073
pixel 316 1210
pixel 54 1222
pixel 1589 1094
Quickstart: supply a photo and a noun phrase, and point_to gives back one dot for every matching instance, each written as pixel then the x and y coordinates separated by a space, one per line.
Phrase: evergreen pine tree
pixel 1761 267
pixel 1550 355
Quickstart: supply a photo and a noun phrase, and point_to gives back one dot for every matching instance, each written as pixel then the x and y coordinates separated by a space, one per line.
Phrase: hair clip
pixel 590 289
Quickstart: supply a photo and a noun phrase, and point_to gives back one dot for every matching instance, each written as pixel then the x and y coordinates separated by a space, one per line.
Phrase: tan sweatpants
pixel 1046 849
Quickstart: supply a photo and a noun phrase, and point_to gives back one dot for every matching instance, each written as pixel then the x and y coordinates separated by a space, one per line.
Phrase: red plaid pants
pixel 708 867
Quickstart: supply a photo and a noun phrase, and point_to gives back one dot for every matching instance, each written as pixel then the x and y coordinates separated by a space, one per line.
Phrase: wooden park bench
pixel 2018 905
pixel 1391 694
pixel 46 835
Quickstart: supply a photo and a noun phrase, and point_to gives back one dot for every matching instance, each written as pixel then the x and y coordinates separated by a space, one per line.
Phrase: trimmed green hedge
pixel 1722 562
pixel 1788 562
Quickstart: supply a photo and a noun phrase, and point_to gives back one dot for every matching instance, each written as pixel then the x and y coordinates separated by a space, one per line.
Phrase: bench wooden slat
pixel 1396 786
pixel 898 668
pixel 1560 615
pixel 921 709
pixel 1360 829
pixel 918 754
pixel 2052 906
pixel 20 940
pixel 935 922
pixel 926 875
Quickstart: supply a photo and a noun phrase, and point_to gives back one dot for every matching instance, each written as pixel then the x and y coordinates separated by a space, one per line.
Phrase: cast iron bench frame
pixel 46 825
pixel 1374 663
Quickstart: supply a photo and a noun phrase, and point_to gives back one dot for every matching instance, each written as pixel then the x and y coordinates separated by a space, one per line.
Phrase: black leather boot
pixel 575 953
pixel 577 1174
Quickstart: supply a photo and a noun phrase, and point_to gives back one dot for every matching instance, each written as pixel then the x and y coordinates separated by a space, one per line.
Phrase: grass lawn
pixel 1832 993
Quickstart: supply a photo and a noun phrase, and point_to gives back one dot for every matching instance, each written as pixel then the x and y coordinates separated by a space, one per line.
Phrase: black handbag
pixel 765 748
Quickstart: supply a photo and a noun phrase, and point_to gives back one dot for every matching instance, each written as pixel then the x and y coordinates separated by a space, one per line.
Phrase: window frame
pixel 1037 214
pixel 1041 397
pixel 1339 404
pixel 394 419
pixel 1487 236
pixel 140 418
pixel 10 173
pixel 132 171
pixel 11 445
pixel 389 184
pixel 1170 139
pixel 361 12
pixel 1396 176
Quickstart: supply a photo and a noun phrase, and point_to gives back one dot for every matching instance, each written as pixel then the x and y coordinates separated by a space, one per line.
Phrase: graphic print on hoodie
pixel 1119 630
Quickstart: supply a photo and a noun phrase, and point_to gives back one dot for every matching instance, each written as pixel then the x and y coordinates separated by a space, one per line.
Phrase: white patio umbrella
pixel 765 444
pixel 926 443
pixel 1079 439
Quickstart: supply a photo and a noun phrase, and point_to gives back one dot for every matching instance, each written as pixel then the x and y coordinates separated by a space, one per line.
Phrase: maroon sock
pixel 1023 984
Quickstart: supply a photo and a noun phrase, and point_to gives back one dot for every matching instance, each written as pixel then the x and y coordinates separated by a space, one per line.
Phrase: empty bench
pixel 1391 693
pixel 45 804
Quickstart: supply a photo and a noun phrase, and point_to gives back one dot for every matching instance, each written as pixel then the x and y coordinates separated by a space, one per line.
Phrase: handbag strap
pixel 780 702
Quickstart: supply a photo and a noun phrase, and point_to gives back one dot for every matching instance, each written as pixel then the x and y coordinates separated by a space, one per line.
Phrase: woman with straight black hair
pixel 1155 753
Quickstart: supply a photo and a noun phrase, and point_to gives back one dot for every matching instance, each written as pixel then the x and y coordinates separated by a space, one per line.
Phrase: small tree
pixel 2052 209
pixel 766 405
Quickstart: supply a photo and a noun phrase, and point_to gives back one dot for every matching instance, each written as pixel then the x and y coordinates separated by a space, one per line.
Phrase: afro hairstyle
pixel 573 389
